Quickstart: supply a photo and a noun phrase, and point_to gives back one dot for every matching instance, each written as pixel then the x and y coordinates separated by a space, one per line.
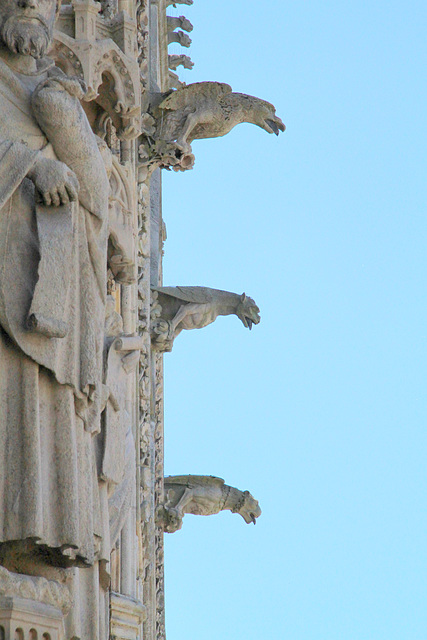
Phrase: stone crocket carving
pixel 178 308
pixel 211 110
pixel 204 496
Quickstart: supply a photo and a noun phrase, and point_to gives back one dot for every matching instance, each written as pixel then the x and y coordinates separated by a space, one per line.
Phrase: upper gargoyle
pixel 210 110
pixel 178 308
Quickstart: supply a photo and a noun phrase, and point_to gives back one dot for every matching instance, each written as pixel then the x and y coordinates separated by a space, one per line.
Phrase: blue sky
pixel 320 411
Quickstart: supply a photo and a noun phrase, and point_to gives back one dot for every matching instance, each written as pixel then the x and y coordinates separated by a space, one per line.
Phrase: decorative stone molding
pixel 146 426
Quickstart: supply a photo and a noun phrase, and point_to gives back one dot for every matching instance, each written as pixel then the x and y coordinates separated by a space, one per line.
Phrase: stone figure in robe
pixel 53 248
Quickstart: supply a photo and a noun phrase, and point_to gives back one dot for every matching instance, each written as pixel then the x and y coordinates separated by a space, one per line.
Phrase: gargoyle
pixel 204 496
pixel 175 60
pixel 210 110
pixel 180 37
pixel 178 308
pixel 175 83
pixel 179 23
pixel 175 2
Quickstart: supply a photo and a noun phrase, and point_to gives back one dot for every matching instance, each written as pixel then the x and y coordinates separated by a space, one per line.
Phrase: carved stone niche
pixel 126 617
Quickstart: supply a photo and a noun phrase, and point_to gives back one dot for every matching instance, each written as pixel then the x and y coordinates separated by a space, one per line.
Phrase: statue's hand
pixel 55 183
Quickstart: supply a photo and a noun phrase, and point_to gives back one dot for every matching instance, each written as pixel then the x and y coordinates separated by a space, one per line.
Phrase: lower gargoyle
pixel 204 496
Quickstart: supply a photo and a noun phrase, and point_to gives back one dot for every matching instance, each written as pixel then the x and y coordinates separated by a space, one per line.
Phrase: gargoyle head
pixel 264 116
pixel 247 311
pixel 249 508
pixel 172 520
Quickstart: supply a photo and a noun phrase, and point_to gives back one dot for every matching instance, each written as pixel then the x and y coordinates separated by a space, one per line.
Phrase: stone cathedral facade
pixel 92 110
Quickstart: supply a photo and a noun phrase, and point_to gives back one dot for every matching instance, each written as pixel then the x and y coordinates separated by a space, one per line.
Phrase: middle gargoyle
pixel 204 110
pixel 177 308
pixel 203 496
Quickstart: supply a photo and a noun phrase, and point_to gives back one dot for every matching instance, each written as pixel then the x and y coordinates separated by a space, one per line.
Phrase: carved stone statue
pixel 53 250
pixel 204 496
pixel 178 308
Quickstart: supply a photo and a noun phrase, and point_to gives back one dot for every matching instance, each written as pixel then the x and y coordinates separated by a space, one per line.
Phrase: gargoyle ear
pixel 243 297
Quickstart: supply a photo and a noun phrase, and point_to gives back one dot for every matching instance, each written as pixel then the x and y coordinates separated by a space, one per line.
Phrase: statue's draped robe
pixel 50 388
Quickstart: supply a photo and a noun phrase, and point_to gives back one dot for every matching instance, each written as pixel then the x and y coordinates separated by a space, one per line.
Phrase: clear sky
pixel 321 410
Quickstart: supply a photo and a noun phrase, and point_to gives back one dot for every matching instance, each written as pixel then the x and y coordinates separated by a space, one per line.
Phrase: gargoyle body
pixel 211 110
pixel 178 308
pixel 204 496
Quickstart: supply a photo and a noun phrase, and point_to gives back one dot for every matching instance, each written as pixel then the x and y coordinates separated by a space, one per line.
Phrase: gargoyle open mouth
pixel 249 322
pixel 275 126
